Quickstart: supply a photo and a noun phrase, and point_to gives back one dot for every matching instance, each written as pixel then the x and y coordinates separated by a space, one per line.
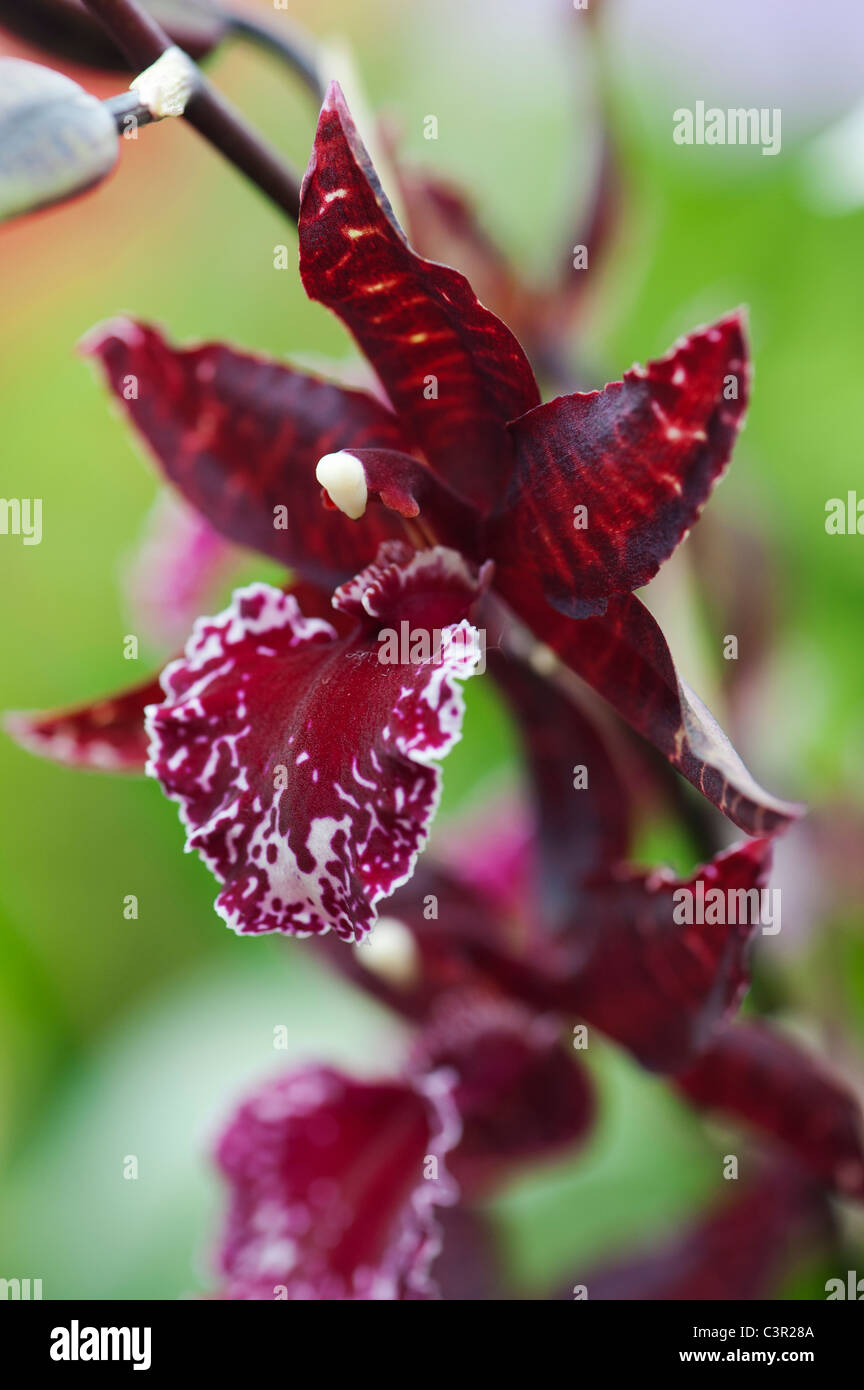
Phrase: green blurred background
pixel 137 1037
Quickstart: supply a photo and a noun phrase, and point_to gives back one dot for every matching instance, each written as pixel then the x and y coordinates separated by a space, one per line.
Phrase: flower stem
pixel 142 41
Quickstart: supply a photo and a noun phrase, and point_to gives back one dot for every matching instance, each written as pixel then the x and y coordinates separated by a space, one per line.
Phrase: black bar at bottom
pixel 71 1338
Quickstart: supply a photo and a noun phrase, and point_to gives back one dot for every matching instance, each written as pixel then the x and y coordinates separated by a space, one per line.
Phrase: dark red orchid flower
pixel 521 1095
pixel 300 761
pixel 333 1185
pixel 583 938
pixel 336 1183
pixel 337 1188
pixel 343 1189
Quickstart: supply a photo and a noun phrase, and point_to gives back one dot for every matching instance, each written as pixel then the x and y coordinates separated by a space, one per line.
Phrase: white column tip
pixel 343 478
pixel 166 86
pixel 391 953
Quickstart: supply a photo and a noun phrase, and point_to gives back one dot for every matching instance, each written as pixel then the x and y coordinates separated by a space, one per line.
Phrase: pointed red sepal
pixel 453 372
pixel 623 655
pixel 655 962
pixel 106 734
pixel 608 483
pixel 240 436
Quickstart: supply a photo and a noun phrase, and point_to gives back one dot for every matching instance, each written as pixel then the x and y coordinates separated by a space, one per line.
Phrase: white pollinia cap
pixel 343 478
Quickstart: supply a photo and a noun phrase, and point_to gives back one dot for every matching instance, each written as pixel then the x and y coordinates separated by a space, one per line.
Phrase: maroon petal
pixel 452 370
pixel 108 734
pixel 240 436
pixel 655 984
pixel 631 967
pixel 641 458
pixel 333 1188
pixel 741 1250
pixel 519 1094
pixel 305 763
pixel 582 806
pixel 624 656
pixel 753 1074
